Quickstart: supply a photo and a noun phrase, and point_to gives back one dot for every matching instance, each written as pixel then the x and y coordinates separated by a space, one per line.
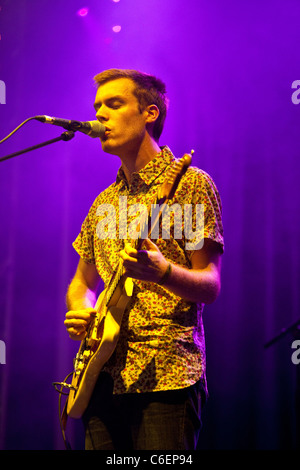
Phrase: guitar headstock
pixel 177 170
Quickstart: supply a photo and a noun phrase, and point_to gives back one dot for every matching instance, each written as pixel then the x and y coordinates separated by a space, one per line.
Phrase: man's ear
pixel 152 113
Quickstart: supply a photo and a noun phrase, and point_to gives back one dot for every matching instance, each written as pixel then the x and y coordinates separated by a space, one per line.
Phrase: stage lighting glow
pixel 83 12
pixel 116 29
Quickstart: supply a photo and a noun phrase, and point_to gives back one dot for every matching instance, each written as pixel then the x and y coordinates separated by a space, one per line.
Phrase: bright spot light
pixel 116 29
pixel 83 12
pixel 116 1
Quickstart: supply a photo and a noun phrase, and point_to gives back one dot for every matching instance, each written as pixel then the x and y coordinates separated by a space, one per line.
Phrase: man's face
pixel 118 110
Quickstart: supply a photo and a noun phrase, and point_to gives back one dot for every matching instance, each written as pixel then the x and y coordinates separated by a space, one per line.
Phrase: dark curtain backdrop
pixel 229 68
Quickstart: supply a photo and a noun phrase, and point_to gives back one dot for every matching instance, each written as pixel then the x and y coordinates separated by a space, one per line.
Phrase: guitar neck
pixel 145 228
pixel 151 222
pixel 150 225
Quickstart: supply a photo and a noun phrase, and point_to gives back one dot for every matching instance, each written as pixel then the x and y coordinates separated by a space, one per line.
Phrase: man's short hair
pixel 148 90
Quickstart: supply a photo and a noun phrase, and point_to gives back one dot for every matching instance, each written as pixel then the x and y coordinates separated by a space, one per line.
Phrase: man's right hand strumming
pixel 77 321
pixel 81 297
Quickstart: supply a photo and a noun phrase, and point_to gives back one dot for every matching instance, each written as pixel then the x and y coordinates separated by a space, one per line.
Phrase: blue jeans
pixel 168 420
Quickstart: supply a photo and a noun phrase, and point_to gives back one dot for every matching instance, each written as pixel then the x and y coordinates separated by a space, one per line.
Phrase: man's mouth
pixel 107 131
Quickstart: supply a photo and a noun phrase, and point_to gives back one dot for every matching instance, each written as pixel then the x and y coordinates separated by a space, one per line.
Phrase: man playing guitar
pixel 150 391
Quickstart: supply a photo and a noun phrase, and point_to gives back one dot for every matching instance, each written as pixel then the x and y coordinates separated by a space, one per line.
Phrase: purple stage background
pixel 229 68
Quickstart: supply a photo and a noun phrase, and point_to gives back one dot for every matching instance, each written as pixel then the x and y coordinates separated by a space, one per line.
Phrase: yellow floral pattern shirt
pixel 161 344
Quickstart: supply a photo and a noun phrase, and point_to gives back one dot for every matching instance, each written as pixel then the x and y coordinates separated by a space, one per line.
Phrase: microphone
pixel 91 128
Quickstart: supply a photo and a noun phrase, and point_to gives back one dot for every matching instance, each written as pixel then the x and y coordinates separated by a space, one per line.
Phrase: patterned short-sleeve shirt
pixel 161 344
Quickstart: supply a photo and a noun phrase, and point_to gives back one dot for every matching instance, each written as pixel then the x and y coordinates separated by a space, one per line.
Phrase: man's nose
pixel 101 114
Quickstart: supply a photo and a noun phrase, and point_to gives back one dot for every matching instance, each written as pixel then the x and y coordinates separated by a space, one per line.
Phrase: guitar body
pixel 97 347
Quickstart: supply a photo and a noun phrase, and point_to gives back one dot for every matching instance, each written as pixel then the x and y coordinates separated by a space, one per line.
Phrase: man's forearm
pixel 79 296
pixel 202 286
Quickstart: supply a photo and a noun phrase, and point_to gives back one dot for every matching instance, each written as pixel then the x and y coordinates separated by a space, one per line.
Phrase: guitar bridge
pixel 80 361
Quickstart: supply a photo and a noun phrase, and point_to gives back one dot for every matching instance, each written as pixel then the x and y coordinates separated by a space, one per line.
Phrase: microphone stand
pixel 66 136
pixel 294 329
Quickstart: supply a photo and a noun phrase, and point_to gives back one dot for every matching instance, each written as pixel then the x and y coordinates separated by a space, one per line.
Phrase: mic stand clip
pixel 66 136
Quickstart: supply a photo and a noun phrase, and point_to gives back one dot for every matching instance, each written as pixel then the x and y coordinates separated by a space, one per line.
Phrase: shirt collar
pixel 152 170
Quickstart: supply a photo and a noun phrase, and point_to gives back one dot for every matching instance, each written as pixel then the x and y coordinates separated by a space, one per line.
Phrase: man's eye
pixel 115 104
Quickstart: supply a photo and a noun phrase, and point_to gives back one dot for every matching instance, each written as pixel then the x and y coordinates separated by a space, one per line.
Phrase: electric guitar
pixel 104 329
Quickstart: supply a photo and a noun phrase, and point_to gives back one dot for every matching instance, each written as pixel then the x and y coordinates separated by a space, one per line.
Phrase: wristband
pixel 166 275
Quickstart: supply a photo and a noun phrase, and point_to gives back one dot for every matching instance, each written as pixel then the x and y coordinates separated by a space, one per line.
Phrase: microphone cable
pixel 16 129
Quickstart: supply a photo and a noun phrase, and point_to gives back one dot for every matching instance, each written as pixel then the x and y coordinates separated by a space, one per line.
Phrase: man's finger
pixel 130 250
pixel 149 245
pixel 84 314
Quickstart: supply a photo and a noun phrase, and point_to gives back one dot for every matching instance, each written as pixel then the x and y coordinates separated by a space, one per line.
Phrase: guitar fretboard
pixel 145 228
pixel 154 212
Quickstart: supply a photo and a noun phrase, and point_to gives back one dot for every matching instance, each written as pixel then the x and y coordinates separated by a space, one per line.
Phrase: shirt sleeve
pixel 205 217
pixel 84 243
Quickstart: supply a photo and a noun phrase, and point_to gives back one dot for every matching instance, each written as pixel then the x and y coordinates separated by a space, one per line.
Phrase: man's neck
pixel 135 161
